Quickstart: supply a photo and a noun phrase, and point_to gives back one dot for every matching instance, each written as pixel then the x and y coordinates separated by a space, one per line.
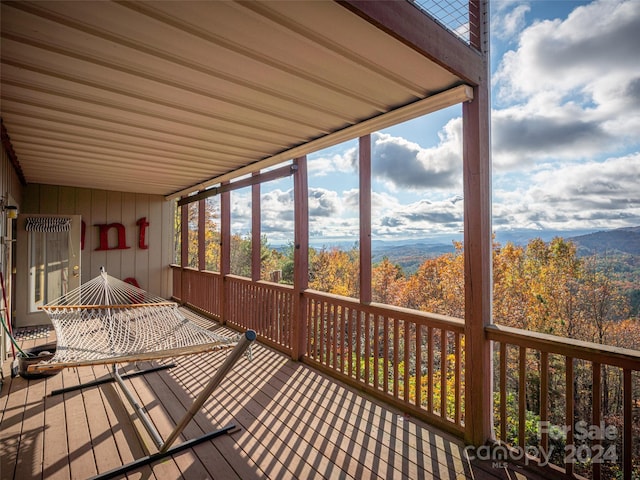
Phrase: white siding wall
pixel 150 267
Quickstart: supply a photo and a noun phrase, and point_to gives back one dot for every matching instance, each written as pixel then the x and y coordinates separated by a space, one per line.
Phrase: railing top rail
pixel 417 316
pixel 595 352
pixel 262 283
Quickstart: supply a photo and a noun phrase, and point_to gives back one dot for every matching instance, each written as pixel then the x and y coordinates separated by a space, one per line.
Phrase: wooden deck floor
pixel 293 422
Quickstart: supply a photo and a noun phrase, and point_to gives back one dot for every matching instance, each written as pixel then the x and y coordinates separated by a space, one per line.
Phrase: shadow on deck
pixel 292 422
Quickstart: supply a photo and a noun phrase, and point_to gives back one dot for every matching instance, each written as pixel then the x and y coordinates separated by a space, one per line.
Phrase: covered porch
pixel 116 113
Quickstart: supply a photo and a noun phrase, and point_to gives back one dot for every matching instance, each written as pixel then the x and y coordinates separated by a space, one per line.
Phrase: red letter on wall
pixel 143 224
pixel 104 237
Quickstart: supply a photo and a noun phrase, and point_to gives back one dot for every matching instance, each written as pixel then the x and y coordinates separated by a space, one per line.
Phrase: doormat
pixel 32 333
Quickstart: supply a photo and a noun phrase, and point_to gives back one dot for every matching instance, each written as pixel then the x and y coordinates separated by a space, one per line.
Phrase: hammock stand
pixel 107 321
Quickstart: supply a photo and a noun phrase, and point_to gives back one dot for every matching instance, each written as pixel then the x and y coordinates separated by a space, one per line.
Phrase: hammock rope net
pixel 107 320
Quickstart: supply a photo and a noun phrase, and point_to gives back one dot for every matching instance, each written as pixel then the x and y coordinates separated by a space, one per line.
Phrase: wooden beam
pixel 414 28
pixel 365 218
pixel 255 179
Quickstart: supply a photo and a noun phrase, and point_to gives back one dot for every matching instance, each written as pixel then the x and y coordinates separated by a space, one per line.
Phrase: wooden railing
pixel 264 307
pixel 568 411
pixel 408 358
pixel 198 289
pixel 415 361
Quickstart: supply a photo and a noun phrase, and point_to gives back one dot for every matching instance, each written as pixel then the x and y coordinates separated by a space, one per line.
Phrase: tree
pixel 510 286
pixel 438 285
pixel 387 283
pixel 335 271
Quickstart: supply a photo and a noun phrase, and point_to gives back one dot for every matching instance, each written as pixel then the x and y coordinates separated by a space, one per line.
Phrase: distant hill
pixel 610 242
pixel 410 256
pixel 522 237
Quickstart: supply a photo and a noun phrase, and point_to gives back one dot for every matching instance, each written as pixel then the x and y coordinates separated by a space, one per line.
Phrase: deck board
pixel 55 455
pixel 293 422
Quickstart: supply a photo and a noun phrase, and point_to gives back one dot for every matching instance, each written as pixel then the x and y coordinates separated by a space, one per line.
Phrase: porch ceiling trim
pixel 448 98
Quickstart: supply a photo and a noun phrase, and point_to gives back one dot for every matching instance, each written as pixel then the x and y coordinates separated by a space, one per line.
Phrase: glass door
pixel 48 251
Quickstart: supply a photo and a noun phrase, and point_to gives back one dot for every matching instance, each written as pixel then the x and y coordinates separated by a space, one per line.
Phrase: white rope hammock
pixel 107 321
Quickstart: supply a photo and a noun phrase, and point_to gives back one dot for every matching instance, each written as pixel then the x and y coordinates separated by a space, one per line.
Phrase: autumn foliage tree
pixel 334 270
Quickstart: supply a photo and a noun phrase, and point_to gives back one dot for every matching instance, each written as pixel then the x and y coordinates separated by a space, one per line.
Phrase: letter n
pixel 104 236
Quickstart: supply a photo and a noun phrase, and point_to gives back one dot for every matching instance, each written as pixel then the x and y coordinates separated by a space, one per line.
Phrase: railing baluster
pixel 337 326
pixel 385 371
pixel 522 396
pixel 458 357
pixel 443 372
pixel 406 341
pixel 503 391
pixel 341 324
pixel 430 366
pixel 350 343
pixel 396 356
pixel 418 365
pixel 376 353
pixel 544 399
pixel 596 395
pixel 627 435
pixel 312 338
pixel 358 366
pixel 323 333
pixel 569 411
pixel 256 296
pixel 367 347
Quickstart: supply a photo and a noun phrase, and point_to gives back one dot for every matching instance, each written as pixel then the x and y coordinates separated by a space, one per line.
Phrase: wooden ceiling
pixel 164 97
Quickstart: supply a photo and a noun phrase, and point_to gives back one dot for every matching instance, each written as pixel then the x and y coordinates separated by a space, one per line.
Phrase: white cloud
pixel 277 214
pixel 402 164
pixel 419 219
pixel 506 22
pixel 561 56
pixel 571 89
pixel 597 194
pixel 333 163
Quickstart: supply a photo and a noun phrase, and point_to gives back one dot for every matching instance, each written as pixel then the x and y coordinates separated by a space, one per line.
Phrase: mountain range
pixel 620 240
pixel 409 254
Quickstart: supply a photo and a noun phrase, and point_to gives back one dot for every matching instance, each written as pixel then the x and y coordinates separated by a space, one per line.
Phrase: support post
pixel 478 242
pixel 225 252
pixel 184 250
pixel 365 219
pixel 202 206
pixel 300 259
pixel 256 233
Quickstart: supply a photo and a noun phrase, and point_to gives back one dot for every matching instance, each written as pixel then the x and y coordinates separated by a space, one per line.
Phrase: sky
pixel 565 126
